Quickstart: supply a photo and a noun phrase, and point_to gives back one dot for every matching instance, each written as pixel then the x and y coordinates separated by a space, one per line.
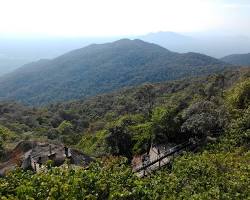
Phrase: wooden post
pixel 40 161
pixel 50 150
pixel 66 152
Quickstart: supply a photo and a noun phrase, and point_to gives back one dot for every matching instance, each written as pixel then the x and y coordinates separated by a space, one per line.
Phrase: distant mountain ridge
pixel 210 43
pixel 238 59
pixel 101 68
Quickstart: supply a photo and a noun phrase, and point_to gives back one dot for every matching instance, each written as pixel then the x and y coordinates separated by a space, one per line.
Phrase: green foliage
pixel 182 109
pixel 204 118
pixel 127 120
pixel 223 175
pixel 239 95
pixel 6 134
pixel 238 133
pixel 145 97
pixel 94 144
pixel 119 141
pixel 65 127
pixel 100 112
pixel 66 131
pixel 50 164
pixel 166 124
pixel 126 130
pixel 102 68
pixel 7 137
pixel 97 182
pixel 206 176
pixel 141 138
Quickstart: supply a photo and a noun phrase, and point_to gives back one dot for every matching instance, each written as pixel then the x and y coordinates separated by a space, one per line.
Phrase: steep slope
pixel 238 59
pixel 82 116
pixel 101 68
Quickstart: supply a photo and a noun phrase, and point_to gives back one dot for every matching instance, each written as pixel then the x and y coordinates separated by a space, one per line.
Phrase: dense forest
pixel 102 68
pixel 113 128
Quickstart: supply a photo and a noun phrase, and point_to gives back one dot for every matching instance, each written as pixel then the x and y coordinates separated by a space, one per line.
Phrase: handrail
pixel 168 153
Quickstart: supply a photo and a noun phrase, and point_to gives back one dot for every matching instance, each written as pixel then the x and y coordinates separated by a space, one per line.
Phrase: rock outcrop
pixel 33 155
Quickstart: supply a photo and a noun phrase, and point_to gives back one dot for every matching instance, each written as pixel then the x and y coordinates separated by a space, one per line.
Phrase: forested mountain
pixel 214 110
pixel 71 120
pixel 102 68
pixel 238 59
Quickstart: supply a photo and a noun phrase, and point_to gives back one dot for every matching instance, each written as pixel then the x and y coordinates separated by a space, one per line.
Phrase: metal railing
pixel 168 153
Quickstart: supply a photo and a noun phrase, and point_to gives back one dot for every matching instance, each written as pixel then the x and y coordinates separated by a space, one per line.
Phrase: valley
pixel 115 128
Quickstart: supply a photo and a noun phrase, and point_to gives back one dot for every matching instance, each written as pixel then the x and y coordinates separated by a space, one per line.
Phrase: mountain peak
pixel 132 41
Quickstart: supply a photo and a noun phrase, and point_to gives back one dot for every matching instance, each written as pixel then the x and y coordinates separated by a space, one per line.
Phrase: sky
pixel 121 17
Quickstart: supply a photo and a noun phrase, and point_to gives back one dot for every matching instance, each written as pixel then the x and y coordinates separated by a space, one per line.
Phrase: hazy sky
pixel 122 17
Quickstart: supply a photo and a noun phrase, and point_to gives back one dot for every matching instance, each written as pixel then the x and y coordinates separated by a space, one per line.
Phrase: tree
pixel 239 95
pixel 166 124
pixel 53 133
pixel 146 97
pixel 204 118
pixel 65 127
pixel 119 141
pixel 216 86
pixel 67 133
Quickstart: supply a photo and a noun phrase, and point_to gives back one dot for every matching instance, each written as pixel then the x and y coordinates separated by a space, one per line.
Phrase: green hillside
pixel 238 59
pixel 213 110
pixel 102 68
